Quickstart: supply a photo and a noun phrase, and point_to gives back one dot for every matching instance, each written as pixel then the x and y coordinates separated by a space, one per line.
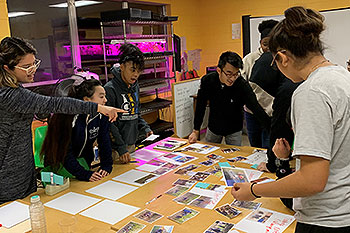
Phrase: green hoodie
pixel 126 128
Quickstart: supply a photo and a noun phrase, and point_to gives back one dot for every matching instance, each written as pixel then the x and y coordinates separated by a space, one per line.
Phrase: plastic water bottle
pixel 37 215
pixel 96 153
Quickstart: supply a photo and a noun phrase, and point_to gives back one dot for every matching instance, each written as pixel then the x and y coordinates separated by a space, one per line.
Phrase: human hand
pixel 241 192
pixel 103 173
pixel 149 134
pixel 281 148
pixel 111 112
pixel 95 177
pixel 193 136
pixel 125 158
pixel 262 167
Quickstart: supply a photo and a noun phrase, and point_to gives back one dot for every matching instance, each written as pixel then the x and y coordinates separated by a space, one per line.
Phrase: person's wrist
pixel 252 191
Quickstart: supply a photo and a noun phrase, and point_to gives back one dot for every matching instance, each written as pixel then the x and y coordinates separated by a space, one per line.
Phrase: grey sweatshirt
pixel 17 108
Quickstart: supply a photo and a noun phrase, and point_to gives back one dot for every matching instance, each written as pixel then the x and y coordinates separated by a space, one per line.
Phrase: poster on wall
pixel 236 31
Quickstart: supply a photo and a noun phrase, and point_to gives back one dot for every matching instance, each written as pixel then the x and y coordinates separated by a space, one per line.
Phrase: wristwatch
pixel 282 162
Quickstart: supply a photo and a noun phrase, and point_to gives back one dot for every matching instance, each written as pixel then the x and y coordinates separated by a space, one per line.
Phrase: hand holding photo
pixel 234 175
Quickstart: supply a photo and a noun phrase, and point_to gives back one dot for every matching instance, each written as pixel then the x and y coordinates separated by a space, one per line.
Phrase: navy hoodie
pixel 86 129
pixel 127 127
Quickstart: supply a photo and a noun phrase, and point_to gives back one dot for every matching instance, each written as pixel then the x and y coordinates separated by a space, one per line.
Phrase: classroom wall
pixel 4 21
pixel 218 16
pixel 206 24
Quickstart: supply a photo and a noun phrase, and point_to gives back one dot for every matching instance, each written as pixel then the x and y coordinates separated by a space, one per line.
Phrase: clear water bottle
pixel 37 215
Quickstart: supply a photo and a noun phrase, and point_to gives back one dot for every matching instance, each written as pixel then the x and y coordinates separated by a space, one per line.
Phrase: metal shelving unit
pixel 157 63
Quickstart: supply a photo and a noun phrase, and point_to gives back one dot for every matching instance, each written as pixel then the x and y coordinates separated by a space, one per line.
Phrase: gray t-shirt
pixel 321 121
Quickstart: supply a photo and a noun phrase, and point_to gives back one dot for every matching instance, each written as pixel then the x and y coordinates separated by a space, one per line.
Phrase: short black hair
pixel 129 52
pixel 231 58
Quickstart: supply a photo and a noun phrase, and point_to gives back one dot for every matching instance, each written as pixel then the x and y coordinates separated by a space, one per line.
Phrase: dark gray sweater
pixel 17 108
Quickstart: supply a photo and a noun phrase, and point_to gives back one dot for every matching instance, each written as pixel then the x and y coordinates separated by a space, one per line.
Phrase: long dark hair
pixel 59 131
pixel 299 32
pixel 12 50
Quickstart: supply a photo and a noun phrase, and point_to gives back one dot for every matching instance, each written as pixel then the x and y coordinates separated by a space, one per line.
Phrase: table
pixel 163 205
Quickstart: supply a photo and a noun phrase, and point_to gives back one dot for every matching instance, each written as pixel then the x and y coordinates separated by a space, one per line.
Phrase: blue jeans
pixel 258 136
pixel 231 139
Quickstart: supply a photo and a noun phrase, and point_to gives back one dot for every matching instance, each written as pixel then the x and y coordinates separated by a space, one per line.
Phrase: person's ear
pixel 284 59
pixel 122 67
pixel 218 70
pixel 85 98
pixel 6 68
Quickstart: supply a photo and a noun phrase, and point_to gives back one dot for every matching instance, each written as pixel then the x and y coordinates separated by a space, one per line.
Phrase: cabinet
pixel 155 40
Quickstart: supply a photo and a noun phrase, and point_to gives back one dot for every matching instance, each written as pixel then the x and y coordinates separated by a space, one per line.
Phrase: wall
pixel 218 16
pixel 206 24
pixel 4 22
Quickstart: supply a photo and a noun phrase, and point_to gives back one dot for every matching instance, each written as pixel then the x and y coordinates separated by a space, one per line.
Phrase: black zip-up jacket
pixel 86 129
pixel 226 105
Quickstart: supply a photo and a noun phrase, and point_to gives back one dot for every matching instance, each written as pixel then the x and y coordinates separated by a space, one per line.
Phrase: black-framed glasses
pixel 348 63
pixel 230 75
pixel 273 63
pixel 31 69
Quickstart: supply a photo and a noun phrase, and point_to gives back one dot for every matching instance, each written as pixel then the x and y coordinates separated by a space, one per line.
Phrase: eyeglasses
pixel 31 69
pixel 273 63
pixel 230 75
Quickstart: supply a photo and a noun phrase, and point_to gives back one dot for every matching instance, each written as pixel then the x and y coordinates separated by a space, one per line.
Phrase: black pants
pixel 307 228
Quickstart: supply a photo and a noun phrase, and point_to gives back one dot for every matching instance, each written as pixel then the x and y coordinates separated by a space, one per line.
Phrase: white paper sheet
pixel 146 155
pixel 147 167
pixel 109 211
pixel 112 190
pixel 252 174
pixel 152 137
pixel 133 175
pixel 72 203
pixel 13 214
pixel 215 196
pixel 256 158
pixel 262 219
